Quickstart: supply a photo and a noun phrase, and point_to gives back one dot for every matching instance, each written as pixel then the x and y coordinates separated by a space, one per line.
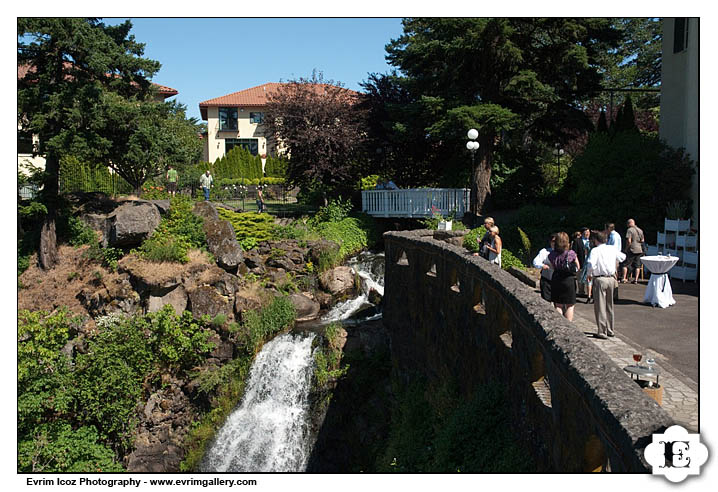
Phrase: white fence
pixel 422 202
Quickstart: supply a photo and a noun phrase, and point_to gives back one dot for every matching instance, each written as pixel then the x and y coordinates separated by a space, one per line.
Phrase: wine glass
pixel 637 358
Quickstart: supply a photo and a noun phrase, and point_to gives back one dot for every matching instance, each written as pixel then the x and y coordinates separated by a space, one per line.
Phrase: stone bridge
pixel 455 317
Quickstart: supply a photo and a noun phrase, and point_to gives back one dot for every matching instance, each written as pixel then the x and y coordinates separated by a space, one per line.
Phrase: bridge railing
pixel 420 202
pixel 456 319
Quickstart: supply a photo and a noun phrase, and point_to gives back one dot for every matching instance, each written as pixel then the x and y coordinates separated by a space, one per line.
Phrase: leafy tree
pixel 71 64
pixel 320 127
pixel 398 147
pixel 147 137
pixel 525 77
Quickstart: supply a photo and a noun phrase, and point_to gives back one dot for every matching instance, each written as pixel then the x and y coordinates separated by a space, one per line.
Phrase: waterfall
pixel 270 430
pixel 370 268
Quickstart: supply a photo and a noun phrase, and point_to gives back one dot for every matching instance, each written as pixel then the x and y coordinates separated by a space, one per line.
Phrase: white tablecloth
pixel 658 291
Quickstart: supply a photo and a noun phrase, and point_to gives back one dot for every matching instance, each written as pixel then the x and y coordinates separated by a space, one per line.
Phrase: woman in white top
pixel 495 246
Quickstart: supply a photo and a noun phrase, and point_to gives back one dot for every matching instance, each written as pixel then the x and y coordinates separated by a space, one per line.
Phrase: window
pixel 251 144
pixel 680 34
pixel 24 143
pixel 256 117
pixel 227 118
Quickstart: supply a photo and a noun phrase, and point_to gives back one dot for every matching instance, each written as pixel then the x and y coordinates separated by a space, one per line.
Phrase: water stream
pixel 270 430
pixel 370 268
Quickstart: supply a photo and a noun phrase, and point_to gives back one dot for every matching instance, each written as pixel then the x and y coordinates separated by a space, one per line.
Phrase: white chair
pixel 689 269
pixel 677 225
pixel 662 240
pixel 690 258
pixel 687 242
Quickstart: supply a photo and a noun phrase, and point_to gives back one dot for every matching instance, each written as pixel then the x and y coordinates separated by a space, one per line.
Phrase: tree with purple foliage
pixel 321 128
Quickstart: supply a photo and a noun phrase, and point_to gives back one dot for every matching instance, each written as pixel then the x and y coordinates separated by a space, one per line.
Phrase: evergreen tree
pixel 602 125
pixel 70 64
pixel 526 76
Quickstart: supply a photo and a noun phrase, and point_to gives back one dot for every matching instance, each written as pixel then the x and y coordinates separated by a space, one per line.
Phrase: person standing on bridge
pixel 494 248
pixel 486 238
pixel 564 263
pixel 601 266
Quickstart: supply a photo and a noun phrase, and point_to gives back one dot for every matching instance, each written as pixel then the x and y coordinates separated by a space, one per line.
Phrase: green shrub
pixel 348 233
pixel 472 435
pixel 181 222
pixel 335 211
pixel 525 251
pixel 177 233
pixel 249 227
pixel 160 248
pixel 472 238
pixel 43 372
pixel 327 359
pixel 108 257
pixel 508 260
pixel 262 324
pixel 57 447
pixel 629 174
pixel 41 335
pixel 369 182
pixel 108 381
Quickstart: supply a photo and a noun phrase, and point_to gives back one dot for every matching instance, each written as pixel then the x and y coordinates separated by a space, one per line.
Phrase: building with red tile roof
pixel 236 119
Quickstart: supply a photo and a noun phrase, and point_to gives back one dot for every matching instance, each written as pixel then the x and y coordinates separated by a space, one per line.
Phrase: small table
pixel 645 371
pixel 654 391
pixel 658 290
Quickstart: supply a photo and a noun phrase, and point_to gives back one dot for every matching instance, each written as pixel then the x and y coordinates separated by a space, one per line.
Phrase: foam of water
pixel 269 430
pixel 371 273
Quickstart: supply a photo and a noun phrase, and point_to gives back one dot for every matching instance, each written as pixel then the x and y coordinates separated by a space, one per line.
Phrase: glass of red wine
pixel 637 358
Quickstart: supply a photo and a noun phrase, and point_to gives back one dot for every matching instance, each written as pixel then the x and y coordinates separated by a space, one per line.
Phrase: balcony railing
pixel 422 202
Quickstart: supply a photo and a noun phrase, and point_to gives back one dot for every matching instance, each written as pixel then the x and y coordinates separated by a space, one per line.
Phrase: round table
pixel 658 291
pixel 643 371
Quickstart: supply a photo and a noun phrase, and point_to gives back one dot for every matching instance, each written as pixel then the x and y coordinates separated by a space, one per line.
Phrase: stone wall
pixel 452 316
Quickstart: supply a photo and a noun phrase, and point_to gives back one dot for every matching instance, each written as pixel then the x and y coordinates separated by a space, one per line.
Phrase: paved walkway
pixel 670 334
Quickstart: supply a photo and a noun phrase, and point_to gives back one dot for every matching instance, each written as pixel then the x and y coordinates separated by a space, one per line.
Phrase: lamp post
pixel 472 145
pixel 558 152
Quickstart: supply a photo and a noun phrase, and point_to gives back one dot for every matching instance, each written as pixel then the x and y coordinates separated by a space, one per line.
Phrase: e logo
pixel 676 454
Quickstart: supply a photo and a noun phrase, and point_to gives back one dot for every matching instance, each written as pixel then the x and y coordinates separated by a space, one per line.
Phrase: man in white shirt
pixel 601 266
pixel 545 282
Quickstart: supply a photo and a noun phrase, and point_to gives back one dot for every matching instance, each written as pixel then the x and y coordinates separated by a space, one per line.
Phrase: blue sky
pixel 205 58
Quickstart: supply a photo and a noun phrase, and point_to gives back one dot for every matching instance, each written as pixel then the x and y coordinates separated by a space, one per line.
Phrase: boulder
pixel 162 205
pixel 132 223
pixel 283 263
pixel 222 350
pixel 306 308
pixel 222 243
pixel 177 298
pixel 206 300
pixel 320 248
pixel 156 457
pixel 98 222
pixel 337 281
pixel 149 277
pixel 244 303
pixel 205 210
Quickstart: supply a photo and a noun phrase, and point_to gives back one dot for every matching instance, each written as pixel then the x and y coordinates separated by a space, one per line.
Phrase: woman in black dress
pixel 564 263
